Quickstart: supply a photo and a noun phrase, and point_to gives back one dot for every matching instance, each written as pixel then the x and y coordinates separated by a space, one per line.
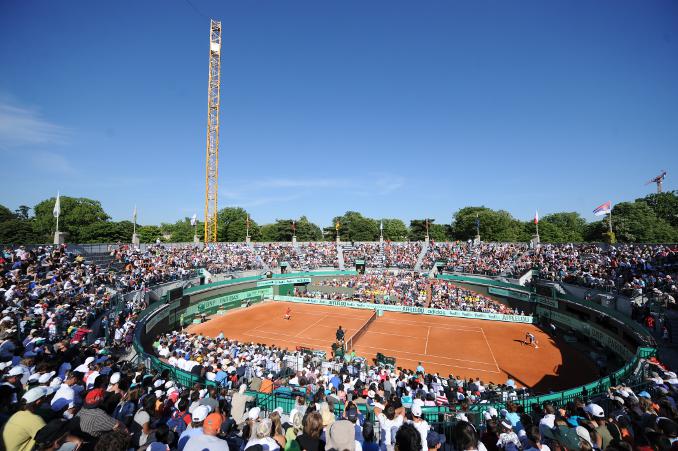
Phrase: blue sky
pixel 394 109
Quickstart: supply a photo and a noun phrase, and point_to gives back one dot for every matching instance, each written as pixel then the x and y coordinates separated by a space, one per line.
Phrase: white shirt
pixel 422 427
pixel 386 426
pixel 63 397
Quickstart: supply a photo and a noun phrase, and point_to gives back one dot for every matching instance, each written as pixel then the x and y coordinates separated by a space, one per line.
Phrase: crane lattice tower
pixel 212 163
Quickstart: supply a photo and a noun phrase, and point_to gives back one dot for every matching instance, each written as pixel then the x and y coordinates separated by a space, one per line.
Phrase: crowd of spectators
pixel 485 258
pixel 65 387
pixel 384 255
pixel 303 256
pixel 406 288
pixel 632 269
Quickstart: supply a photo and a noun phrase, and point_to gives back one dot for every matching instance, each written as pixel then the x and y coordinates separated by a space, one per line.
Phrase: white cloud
pixel 23 126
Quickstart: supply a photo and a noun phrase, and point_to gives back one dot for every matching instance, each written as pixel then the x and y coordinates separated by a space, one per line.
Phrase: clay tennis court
pixel 490 350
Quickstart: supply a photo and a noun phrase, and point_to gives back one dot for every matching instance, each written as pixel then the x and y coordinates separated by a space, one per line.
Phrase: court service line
pixel 415 323
pixel 419 354
pixel 490 347
pixel 305 329
pixel 427 334
pixel 451 365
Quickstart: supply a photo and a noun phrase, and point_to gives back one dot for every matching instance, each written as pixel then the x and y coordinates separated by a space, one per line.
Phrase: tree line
pixel 651 219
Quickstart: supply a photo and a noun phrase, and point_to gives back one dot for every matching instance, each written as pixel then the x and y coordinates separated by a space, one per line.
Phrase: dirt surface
pixel 490 350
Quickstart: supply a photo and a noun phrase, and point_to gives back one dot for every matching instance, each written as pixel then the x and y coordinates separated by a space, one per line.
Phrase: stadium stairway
pixel 420 258
pixel 340 257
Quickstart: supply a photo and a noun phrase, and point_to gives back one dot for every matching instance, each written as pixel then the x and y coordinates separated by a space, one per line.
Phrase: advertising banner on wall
pixel 408 309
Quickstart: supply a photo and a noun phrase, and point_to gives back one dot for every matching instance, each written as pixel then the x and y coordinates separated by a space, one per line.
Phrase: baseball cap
pixel 16 371
pixel 416 410
pixel 212 423
pixel 200 413
pixel 594 410
pixel 115 378
pixel 434 439
pixel 254 413
pixel 644 394
pixel 34 394
pixel 94 397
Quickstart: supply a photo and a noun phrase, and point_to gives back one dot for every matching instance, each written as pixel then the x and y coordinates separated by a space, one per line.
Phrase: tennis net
pixel 361 330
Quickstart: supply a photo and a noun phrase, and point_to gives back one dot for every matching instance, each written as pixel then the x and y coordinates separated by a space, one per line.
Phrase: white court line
pixel 418 354
pixel 291 338
pixel 308 342
pixel 441 326
pixel 427 334
pixel 490 347
pixel 307 328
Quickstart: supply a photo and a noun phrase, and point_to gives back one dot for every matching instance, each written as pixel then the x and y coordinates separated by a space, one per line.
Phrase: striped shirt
pixel 95 422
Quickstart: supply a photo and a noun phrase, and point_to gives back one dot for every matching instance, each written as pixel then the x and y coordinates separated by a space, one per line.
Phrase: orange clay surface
pixel 491 350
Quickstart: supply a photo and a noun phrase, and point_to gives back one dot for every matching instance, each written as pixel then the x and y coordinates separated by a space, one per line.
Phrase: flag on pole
pixel 57 206
pixel 336 226
pixel 134 214
pixel 603 209
pixel 381 226
pixel 294 227
pixel 247 222
pixel 194 219
pixel 536 217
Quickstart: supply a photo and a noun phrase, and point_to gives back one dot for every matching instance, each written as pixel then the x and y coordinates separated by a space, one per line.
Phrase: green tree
pixel 664 205
pixel 233 225
pixel 149 233
pixel 307 231
pixel 269 232
pixel 636 222
pixel 6 214
pixel 356 227
pixel 107 232
pixel 76 214
pixel 418 229
pixel 395 230
pixel 570 227
pixel 182 231
pixel 495 225
pixel 18 231
pixel 22 212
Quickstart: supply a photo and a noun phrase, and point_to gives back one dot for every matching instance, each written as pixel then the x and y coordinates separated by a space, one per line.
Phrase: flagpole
pixel 58 213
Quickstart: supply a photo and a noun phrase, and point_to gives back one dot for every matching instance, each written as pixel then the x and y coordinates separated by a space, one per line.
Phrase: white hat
pixel 158 393
pixel 34 394
pixel 371 393
pixel 254 412
pixel 89 360
pixel 200 413
pixel 46 377
pixel 157 383
pixel 16 371
pixel 115 378
pixel 595 410
pixel 56 382
pixel 416 410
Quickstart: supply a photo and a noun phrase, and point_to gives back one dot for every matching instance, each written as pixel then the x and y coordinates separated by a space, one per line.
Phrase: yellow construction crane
pixel 212 163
